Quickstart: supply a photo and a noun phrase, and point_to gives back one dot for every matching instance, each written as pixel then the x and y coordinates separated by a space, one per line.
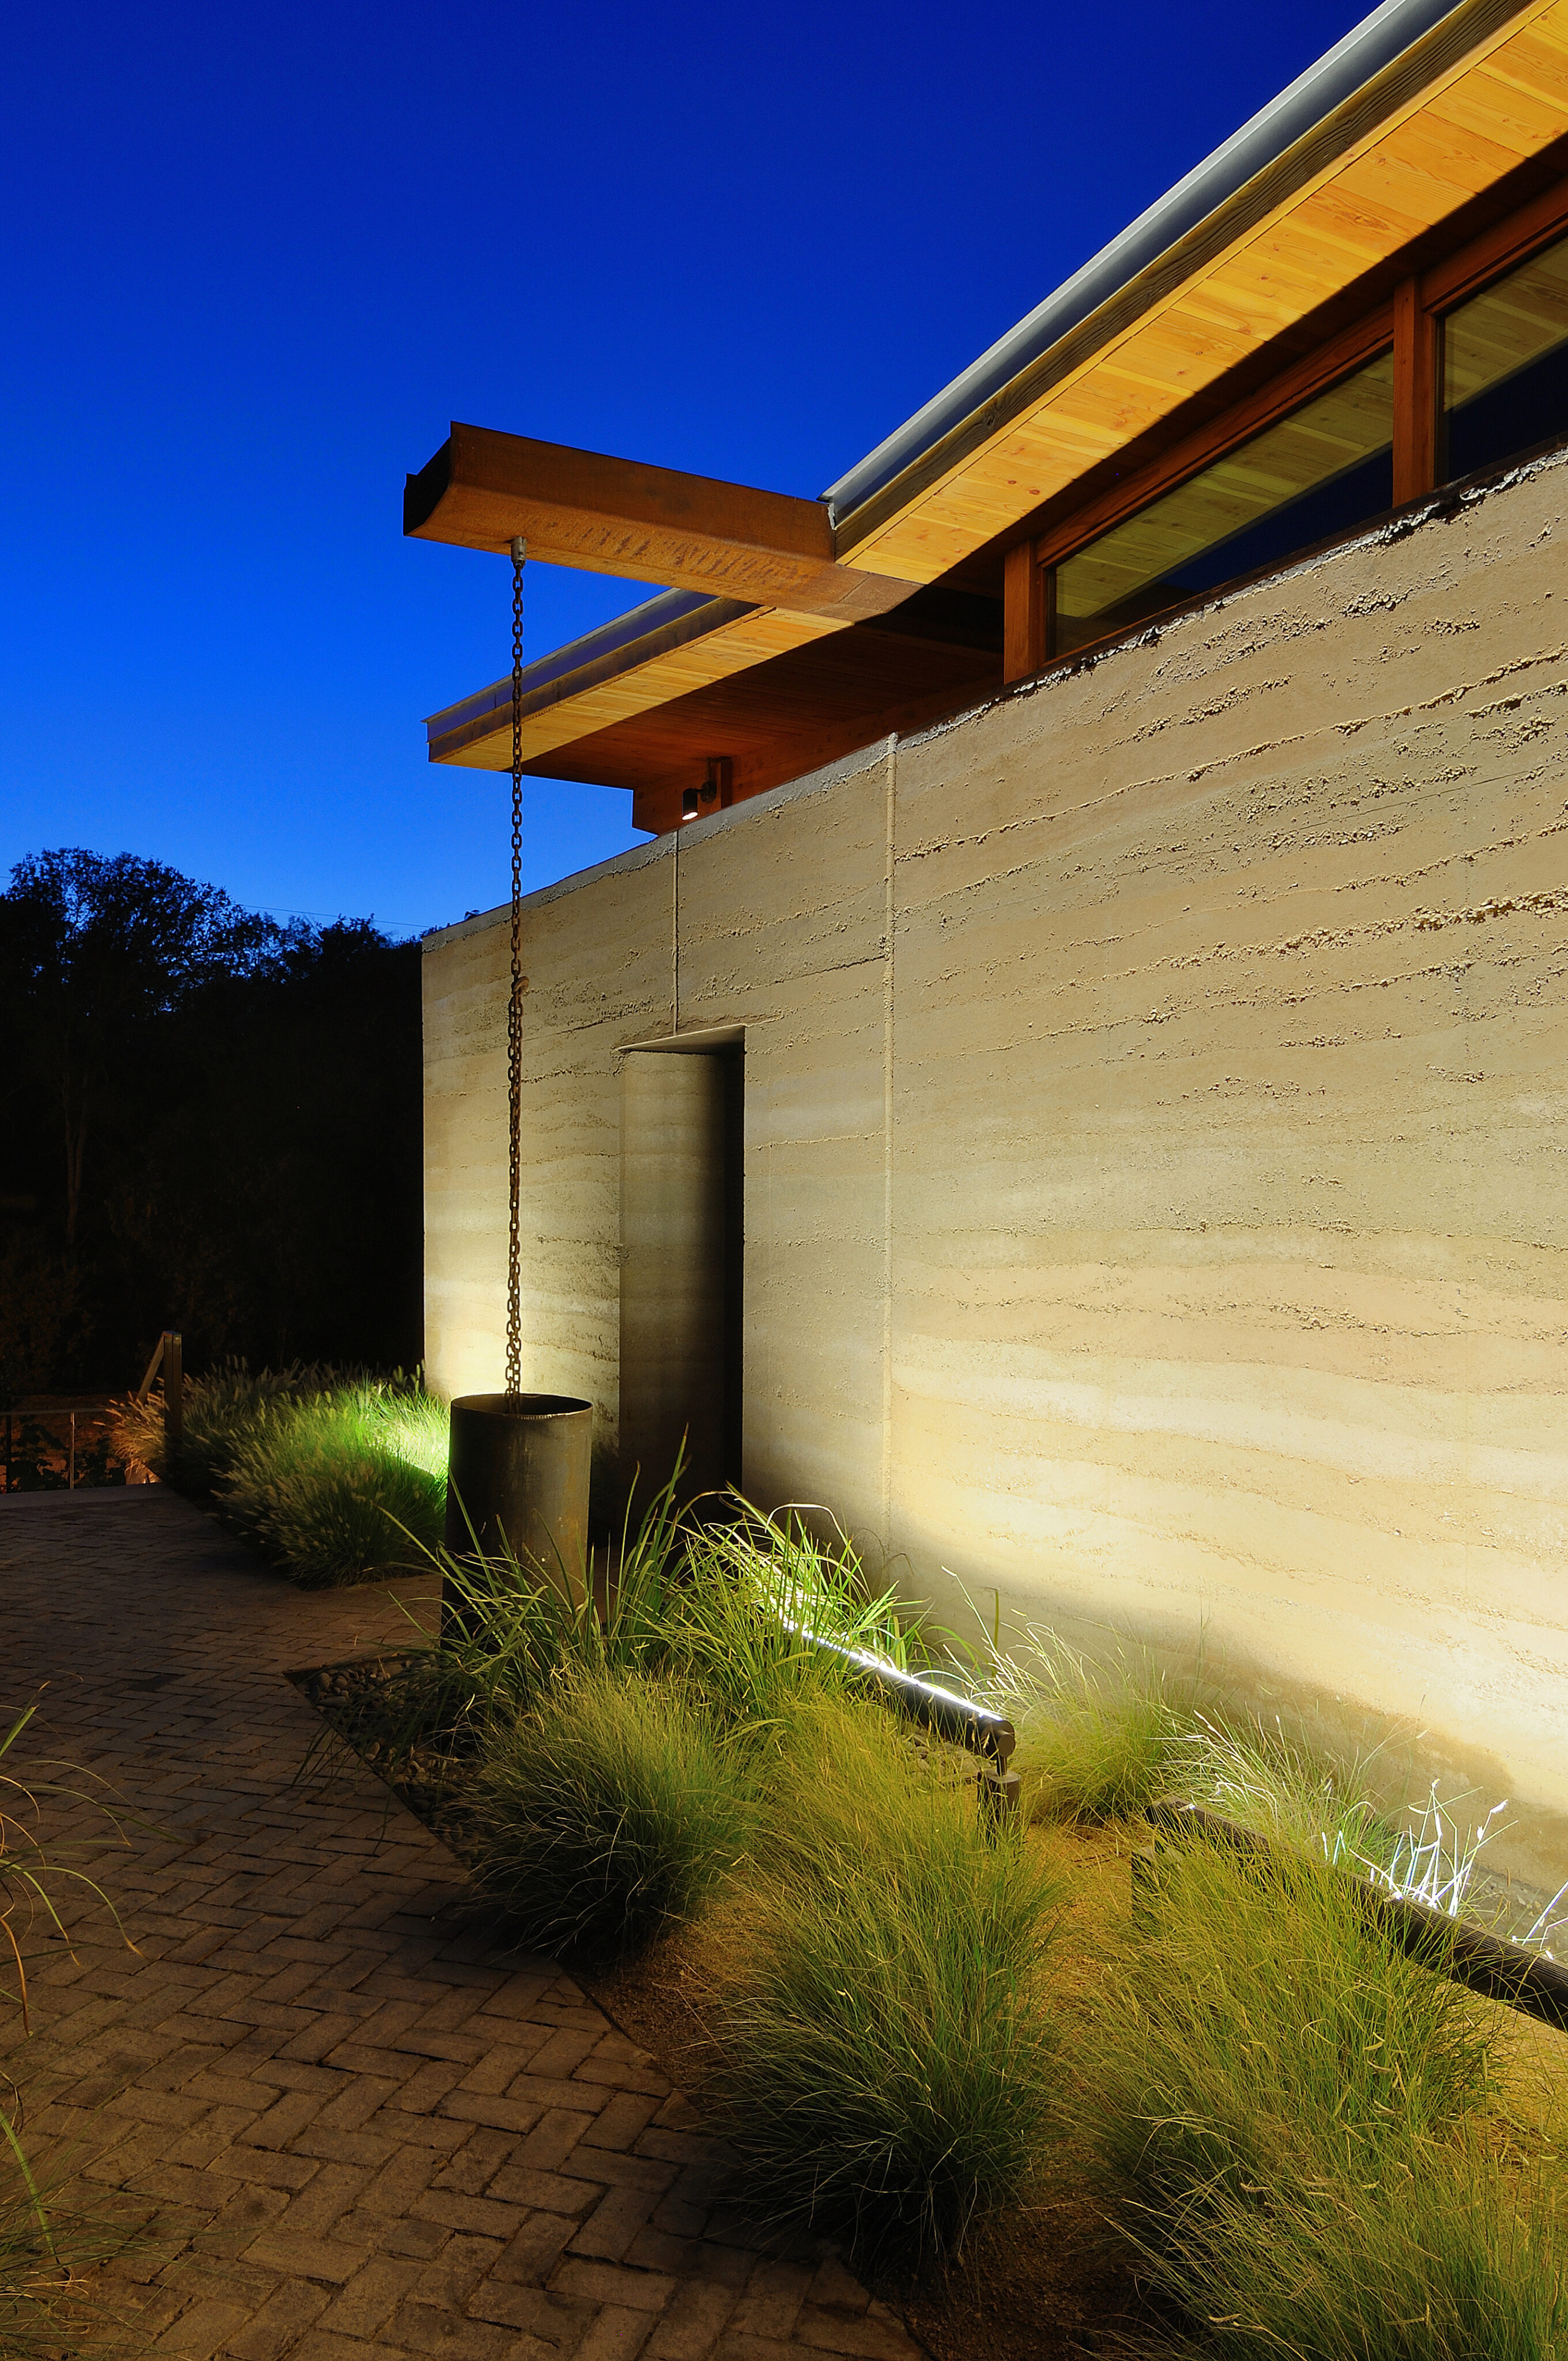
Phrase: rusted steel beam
pixel 484 489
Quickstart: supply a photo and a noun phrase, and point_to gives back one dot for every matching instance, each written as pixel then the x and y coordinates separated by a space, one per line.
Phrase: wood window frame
pixel 1496 251
pixel 1410 323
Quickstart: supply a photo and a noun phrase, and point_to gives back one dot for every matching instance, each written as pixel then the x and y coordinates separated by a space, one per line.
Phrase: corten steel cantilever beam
pixel 484 490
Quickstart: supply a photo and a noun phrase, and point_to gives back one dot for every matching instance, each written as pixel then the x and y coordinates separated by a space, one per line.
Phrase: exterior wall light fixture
pixel 717 792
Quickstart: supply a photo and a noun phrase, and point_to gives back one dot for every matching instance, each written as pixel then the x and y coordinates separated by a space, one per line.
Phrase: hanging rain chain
pixel 514 1006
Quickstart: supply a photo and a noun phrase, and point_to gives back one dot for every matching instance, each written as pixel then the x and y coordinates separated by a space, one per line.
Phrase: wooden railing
pixel 168 1361
pixel 39 1436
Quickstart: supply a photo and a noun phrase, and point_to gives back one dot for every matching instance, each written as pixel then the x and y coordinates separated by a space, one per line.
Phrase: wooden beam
pixel 938 637
pixel 1025 638
pixel 1416 347
pixel 485 490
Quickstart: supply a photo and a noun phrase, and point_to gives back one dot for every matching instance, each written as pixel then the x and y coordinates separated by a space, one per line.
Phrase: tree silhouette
pixel 98 951
pixel 211 1121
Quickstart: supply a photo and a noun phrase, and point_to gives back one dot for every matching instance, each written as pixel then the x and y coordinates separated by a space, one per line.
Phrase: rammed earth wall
pixel 1157 1164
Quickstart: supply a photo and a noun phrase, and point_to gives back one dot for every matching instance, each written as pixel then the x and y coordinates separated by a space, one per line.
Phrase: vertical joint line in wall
pixel 888 926
pixel 676 931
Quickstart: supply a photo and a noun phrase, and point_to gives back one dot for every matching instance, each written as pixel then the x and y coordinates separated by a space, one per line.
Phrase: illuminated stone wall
pixel 1166 1224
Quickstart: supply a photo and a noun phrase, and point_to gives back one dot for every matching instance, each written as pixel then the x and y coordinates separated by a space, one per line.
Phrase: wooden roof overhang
pixel 771 706
pixel 792 662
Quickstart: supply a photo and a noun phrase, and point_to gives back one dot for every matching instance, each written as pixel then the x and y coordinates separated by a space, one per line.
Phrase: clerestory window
pixel 1464 367
pixel 1323 470
pixel 1505 367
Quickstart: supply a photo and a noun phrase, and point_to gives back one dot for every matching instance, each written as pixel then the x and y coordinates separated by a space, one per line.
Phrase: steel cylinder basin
pixel 517 1483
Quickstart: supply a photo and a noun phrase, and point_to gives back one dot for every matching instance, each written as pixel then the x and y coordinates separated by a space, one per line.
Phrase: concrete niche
pixel 681 1235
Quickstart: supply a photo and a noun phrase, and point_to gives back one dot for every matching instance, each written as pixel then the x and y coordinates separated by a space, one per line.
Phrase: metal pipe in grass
pixel 958 1718
pixel 1488 1964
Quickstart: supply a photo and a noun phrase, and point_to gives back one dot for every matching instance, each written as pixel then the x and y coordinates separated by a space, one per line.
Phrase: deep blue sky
pixel 258 259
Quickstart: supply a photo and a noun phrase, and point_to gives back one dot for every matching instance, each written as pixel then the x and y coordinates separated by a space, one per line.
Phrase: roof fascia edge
pixel 1380 63
pixel 651 630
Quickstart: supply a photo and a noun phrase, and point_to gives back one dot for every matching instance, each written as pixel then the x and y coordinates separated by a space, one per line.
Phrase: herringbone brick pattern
pixel 360 2125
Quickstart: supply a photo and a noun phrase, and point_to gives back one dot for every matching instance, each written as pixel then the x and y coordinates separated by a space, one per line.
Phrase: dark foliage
pixel 38 1458
pixel 207 1121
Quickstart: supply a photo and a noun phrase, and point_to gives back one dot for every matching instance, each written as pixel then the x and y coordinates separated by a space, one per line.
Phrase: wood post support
pixel 173 1398
pixel 1024 635
pixel 1417 343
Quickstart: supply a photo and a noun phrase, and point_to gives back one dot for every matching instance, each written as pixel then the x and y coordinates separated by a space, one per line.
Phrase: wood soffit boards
pixel 1483 93
pixel 636 680
pixel 1364 183
pixel 784 717
pixel 943 644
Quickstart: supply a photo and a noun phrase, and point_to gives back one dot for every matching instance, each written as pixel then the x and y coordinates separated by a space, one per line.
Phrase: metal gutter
pixel 655 617
pixel 1365 52
pixel 934 1706
pixel 1399 48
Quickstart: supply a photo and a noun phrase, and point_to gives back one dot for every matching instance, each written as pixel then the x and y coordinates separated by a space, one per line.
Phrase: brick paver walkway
pixel 364 2128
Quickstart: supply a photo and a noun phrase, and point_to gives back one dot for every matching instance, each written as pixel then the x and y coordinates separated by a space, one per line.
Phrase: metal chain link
pixel 514 1004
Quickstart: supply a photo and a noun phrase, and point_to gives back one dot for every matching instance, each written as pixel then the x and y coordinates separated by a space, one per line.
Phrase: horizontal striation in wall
pixel 1230 1193
pixel 1214 1269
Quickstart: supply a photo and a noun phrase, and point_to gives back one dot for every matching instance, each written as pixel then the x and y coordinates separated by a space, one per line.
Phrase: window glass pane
pixel 1504 365
pixel 1324 469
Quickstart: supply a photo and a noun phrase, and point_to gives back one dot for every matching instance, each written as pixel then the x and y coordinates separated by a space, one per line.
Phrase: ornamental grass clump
pixel 1462 2258
pixel 221 1413
pixel 754 1599
pixel 1299 2126
pixel 508 1627
pixel 47 2244
pixel 890 2064
pixel 732 1611
pixel 38 2260
pixel 510 1624
pixel 1284 1789
pixel 606 1813
pixel 1096 1742
pixel 345 1487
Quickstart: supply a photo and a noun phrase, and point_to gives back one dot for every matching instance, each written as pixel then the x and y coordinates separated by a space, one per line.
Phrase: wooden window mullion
pixel 1415 348
pixel 1024 634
